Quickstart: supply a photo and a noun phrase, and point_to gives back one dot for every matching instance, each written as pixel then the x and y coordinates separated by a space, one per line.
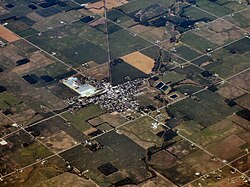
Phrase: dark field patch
pixel 187 53
pixel 46 78
pixel 240 46
pixel 107 169
pixel 48 11
pixel 22 62
pixel 30 79
pixel 2 89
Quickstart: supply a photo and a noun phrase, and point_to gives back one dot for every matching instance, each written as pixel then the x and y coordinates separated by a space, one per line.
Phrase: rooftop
pixel 85 90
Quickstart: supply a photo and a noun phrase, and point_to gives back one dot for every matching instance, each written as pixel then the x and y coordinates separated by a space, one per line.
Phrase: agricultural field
pixel 7 35
pixel 139 61
pixel 56 134
pixel 240 19
pixel 79 119
pixel 221 177
pixel 223 60
pixel 24 151
pixel 205 107
pixel 124 165
pixel 44 174
pixel 143 133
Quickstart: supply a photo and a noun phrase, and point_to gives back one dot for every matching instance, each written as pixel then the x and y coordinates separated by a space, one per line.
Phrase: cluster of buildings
pixel 118 98
pixel 111 98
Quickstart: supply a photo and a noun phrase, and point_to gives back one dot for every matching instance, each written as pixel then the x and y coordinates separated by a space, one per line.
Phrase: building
pixel 85 90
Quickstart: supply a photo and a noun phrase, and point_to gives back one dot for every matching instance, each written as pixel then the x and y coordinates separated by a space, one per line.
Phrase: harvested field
pixel 113 119
pixel 139 28
pixel 37 60
pixel 100 21
pixel 227 149
pixel 219 32
pixel 99 71
pixel 98 6
pixel 115 3
pixel 140 61
pixel 34 16
pixel 10 52
pixel 229 91
pixel 242 80
pixel 202 161
pixel 7 34
pixel 240 122
pixel 243 101
pixel 158 181
pixel 68 179
pixel 60 141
